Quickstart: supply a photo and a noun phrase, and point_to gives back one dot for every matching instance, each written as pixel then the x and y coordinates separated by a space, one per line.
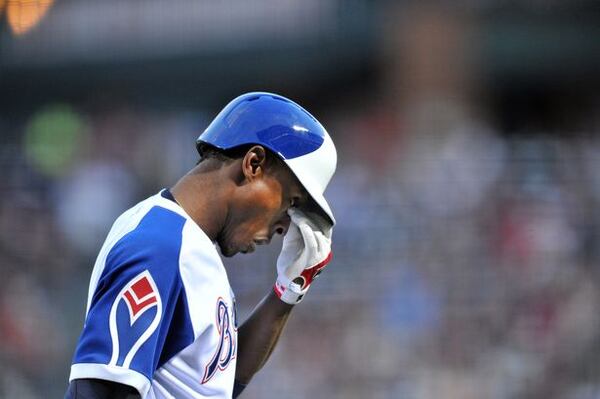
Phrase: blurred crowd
pixel 465 260
pixel 465 255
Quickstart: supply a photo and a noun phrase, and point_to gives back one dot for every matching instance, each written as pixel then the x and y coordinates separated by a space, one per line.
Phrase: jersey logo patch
pixel 139 296
pixel 226 348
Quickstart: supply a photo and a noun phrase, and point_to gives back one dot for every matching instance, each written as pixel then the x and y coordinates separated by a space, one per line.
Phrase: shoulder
pixel 157 237
pixel 162 239
pixel 150 244
pixel 143 260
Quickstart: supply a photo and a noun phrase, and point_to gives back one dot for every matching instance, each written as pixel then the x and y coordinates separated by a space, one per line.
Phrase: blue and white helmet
pixel 286 129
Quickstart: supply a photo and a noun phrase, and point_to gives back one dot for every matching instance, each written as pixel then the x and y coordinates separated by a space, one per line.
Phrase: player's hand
pixel 306 251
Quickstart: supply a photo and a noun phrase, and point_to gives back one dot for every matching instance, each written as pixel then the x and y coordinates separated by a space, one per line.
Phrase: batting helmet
pixel 286 129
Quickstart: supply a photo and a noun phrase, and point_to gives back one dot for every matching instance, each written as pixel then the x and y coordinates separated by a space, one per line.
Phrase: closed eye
pixel 294 202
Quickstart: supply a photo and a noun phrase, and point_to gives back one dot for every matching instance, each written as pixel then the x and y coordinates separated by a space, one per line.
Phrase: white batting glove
pixel 306 251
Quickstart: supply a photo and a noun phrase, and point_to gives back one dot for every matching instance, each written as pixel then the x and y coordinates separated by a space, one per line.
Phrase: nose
pixel 283 224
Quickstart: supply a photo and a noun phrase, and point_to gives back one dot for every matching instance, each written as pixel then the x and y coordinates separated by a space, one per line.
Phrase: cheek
pixel 256 209
pixel 263 205
pixel 265 198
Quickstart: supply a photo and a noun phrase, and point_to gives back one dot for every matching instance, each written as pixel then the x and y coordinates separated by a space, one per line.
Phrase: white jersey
pixel 160 312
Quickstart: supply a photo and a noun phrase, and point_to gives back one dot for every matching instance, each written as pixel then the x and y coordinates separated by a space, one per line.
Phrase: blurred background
pixel 467 192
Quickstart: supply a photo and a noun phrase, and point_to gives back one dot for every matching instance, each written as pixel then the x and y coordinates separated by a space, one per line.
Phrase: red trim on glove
pixel 308 275
pixel 278 290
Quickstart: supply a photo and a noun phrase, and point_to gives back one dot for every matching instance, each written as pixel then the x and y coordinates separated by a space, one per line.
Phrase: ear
pixel 254 162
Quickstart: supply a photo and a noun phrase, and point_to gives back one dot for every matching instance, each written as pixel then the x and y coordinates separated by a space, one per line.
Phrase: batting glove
pixel 306 251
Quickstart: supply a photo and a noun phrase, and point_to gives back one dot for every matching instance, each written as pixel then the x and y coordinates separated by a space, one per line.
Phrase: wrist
pixel 293 291
pixel 288 291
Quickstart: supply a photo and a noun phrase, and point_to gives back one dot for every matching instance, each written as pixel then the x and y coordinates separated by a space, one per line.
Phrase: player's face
pixel 261 211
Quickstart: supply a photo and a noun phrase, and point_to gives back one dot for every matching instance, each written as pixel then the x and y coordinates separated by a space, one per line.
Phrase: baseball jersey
pixel 160 311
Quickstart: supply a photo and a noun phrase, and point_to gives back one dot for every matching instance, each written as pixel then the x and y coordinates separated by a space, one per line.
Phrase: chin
pixel 226 250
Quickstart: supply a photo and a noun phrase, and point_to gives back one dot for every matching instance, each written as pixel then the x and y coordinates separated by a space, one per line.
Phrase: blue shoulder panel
pixel 138 317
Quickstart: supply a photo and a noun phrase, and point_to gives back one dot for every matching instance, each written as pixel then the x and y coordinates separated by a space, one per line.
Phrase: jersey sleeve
pixel 136 301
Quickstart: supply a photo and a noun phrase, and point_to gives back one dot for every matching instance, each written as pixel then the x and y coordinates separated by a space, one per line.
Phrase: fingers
pixel 306 251
pixel 293 232
pixel 324 243
pixel 320 223
pixel 297 216
pixel 315 221
pixel 310 240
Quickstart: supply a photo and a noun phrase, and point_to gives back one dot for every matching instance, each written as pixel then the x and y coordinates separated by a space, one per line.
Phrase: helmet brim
pixel 310 168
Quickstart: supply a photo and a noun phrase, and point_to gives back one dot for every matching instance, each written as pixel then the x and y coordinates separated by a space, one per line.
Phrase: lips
pixel 250 248
pixel 262 241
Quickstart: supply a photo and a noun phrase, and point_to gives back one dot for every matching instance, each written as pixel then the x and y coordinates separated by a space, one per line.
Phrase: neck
pixel 202 195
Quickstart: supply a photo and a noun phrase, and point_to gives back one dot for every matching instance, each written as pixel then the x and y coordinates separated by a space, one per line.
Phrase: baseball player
pixel 161 318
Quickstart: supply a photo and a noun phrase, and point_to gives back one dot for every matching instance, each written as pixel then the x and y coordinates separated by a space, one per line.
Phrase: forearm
pixel 259 334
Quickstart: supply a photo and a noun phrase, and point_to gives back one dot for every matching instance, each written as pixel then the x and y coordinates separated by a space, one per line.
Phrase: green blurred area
pixel 52 138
